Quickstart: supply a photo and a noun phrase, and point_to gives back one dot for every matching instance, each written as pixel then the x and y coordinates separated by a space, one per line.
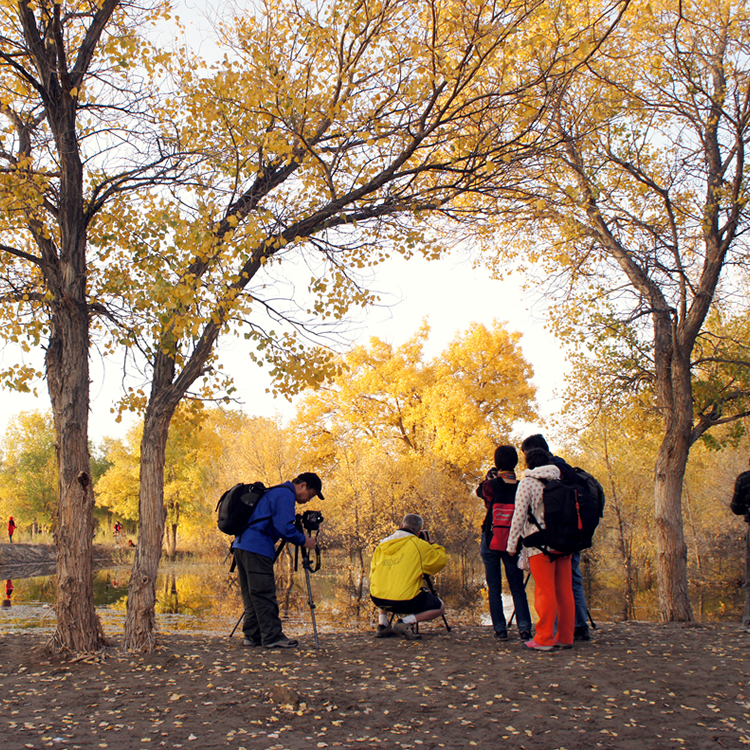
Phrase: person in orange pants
pixel 553 597
pixel 553 600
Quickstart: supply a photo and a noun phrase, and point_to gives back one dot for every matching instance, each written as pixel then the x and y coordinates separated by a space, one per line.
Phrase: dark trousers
pixel 494 562
pixel 579 596
pixel 746 611
pixel 262 623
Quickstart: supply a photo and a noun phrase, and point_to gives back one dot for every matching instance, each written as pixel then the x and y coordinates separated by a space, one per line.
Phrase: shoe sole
pixel 390 633
pixel 290 644
pixel 539 648
pixel 407 633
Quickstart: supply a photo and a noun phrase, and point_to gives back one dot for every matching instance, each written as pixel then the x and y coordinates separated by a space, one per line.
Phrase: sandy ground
pixel 636 685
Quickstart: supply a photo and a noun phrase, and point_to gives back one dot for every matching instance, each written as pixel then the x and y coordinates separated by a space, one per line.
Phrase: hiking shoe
pixel 582 633
pixel 525 635
pixel 537 646
pixel 407 631
pixel 248 642
pixel 502 635
pixel 283 642
pixel 561 645
pixel 385 631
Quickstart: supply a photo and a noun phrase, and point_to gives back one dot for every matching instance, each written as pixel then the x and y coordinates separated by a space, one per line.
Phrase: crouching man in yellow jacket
pixel 397 573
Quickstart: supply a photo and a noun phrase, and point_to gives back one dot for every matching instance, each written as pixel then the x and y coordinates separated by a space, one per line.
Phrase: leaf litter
pixel 641 686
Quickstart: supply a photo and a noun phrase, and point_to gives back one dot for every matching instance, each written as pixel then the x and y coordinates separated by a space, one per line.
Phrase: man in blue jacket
pixel 254 552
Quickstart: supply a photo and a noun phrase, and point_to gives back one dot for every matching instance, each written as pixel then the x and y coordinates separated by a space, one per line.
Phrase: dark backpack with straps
pixel 572 509
pixel 500 497
pixel 236 506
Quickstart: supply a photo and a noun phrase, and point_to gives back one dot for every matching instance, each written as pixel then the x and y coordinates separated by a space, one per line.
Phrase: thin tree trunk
pixel 693 532
pixel 141 613
pixel 624 540
pixel 671 550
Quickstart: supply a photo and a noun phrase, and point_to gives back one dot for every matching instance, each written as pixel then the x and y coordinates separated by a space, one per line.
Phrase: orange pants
pixel 553 599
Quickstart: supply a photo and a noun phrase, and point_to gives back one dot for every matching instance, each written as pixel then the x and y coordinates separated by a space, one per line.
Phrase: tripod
pixel 307 565
pixel 308 568
pixel 428 581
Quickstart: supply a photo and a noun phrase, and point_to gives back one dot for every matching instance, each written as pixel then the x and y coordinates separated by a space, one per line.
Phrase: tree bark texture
pixel 78 627
pixel 673 386
pixel 58 225
pixel 140 620
pixel 671 549
pixel 166 393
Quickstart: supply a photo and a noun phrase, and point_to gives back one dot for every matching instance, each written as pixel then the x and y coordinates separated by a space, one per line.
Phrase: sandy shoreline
pixel 636 685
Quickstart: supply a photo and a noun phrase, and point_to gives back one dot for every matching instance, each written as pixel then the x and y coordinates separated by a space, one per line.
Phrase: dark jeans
pixel 493 565
pixel 262 623
pixel 746 611
pixel 578 595
pixel 424 601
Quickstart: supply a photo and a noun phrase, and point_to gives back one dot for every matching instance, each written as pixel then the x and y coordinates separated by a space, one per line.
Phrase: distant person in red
pixel 130 543
pixel 8 592
pixel 11 529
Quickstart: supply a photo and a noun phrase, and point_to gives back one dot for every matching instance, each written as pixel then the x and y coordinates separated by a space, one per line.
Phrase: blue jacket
pixel 273 519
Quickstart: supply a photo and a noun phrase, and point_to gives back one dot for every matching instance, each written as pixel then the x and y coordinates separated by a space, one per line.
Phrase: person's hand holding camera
pixel 310 542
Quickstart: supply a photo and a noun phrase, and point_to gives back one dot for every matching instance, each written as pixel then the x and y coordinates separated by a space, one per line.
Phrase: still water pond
pixel 203 598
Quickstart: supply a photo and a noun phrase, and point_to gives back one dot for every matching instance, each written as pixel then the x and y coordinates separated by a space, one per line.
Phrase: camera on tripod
pixel 311 519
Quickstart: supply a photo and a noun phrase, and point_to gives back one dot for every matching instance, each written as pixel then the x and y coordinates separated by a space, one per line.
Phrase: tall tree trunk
pixel 141 610
pixel 67 363
pixel 166 393
pixel 78 627
pixel 671 461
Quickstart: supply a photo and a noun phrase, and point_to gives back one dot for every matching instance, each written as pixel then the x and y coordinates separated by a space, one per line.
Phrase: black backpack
pixel 573 507
pixel 236 506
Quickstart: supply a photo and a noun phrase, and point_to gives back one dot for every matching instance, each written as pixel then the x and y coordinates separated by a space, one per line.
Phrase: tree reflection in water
pixel 204 597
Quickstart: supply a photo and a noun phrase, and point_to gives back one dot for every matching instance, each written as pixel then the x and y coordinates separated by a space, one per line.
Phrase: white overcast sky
pixel 449 293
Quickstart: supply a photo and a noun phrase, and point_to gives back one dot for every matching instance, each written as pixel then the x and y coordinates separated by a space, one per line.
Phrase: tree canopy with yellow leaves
pixel 161 215
pixel 639 216
pixel 331 137
pixel 398 433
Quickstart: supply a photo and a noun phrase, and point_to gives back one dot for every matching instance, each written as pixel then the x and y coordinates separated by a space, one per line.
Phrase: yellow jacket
pixel 399 563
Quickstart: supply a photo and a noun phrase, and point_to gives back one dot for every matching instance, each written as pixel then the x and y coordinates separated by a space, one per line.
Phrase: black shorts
pixel 422 602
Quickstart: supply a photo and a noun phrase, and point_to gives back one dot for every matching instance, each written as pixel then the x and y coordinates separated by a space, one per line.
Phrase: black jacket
pixel 740 504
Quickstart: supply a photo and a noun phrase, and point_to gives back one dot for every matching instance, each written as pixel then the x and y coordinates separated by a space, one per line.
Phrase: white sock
pixel 409 620
pixel 382 619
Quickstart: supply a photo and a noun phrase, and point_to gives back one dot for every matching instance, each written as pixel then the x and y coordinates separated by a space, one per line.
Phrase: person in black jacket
pixel 498 492
pixel 740 506
pixel 582 632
